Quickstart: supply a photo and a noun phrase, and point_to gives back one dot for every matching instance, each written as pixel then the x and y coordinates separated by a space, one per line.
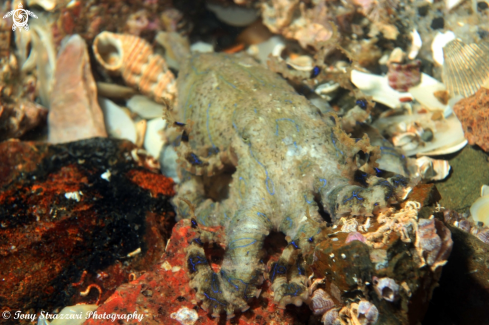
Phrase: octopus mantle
pixel 257 157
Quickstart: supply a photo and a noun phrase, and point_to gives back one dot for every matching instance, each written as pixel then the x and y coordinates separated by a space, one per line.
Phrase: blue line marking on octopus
pixel 285 119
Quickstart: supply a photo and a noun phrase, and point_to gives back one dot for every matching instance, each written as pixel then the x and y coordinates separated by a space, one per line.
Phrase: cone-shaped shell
pixel 466 67
pixel 133 58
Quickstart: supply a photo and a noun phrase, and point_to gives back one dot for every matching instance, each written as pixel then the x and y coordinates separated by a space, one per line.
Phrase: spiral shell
pixel 133 58
pixel 465 67
pixel 321 302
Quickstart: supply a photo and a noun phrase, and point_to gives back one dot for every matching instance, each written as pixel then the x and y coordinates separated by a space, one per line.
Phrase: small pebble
pixel 438 23
pixel 423 11
pixel 481 6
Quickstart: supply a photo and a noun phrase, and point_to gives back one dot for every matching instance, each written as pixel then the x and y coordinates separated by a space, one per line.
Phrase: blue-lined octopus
pixel 255 157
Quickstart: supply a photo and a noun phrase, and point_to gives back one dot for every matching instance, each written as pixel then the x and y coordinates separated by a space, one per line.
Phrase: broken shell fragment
pixel 484 190
pixel 154 139
pixel 440 40
pixel 416 44
pixel 447 134
pixel 465 68
pixel 74 112
pixel 450 4
pixel 233 15
pixel 145 107
pixel 425 93
pixel 479 210
pixel 432 169
pixel 300 62
pixel 117 123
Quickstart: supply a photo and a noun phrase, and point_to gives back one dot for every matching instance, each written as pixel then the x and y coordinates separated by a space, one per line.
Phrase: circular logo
pixel 20 17
pixel 6 315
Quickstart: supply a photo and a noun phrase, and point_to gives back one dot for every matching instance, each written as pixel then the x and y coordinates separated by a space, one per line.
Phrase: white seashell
pixel 185 316
pixel 47 5
pixel 140 132
pixel 451 103
pixel 424 93
pixel 169 166
pixel 274 46
pixel 145 107
pixel 301 63
pixel 386 288
pixel 396 56
pixel 440 40
pixel 67 315
pixel 479 210
pixel 486 84
pixel 201 47
pixel 378 87
pixel 448 135
pixel 406 141
pixel 327 90
pixel 234 15
pixel 416 44
pixel 484 190
pixel 432 169
pixel 117 123
pixel 154 140
pixel 450 4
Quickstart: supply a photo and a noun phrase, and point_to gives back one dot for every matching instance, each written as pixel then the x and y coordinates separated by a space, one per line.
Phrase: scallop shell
pixel 466 67
pixel 133 58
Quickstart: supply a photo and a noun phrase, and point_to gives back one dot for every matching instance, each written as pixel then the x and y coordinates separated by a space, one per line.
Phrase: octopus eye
pixel 245 139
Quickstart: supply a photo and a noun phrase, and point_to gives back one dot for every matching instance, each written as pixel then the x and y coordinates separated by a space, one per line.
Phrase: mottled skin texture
pixel 287 159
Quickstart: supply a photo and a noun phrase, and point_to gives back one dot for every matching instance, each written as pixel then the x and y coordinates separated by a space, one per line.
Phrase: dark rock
pixel 59 217
pixel 438 23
